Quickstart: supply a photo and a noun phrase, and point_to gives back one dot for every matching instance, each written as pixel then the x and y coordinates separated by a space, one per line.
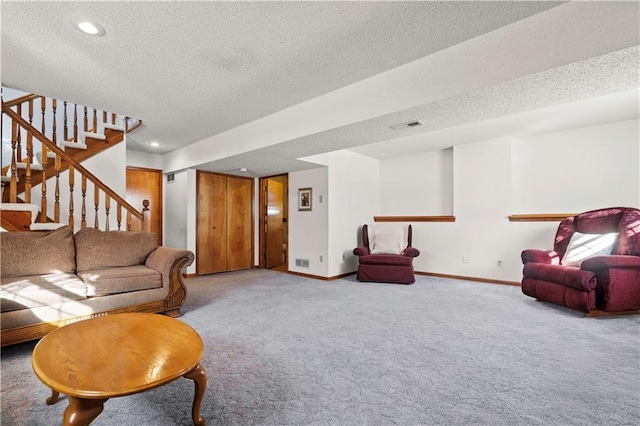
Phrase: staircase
pixel 39 190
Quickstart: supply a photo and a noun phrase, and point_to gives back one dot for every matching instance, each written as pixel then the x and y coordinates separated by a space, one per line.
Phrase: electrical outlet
pixel 320 258
pixel 320 198
pixel 499 262
pixel 466 259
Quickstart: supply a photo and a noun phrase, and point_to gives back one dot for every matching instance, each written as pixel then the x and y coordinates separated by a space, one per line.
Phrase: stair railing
pixel 136 220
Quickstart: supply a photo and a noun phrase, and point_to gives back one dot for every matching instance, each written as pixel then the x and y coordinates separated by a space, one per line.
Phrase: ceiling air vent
pixel 407 124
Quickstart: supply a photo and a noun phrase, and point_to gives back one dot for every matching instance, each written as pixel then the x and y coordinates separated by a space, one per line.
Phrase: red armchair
pixel 386 254
pixel 606 282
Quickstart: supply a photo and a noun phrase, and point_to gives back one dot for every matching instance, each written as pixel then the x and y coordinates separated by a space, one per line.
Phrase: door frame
pixel 262 218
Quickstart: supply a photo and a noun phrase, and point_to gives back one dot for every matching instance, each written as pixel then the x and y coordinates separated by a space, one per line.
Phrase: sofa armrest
pixel 611 261
pixel 361 251
pixel 411 252
pixel 169 262
pixel 547 257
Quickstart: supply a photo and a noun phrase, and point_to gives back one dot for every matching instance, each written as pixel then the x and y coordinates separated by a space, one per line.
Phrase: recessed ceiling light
pixel 154 144
pixel 90 28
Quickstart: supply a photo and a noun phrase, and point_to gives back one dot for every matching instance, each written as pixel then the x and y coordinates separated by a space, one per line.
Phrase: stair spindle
pixel 13 183
pixel 56 203
pixel 95 120
pixel 113 118
pixel 83 213
pixel 43 107
pixel 65 126
pixel 19 137
pixel 43 199
pixel 96 203
pixel 104 117
pixel 27 175
pixel 75 123
pixel 71 185
pixel 85 122
pixel 54 138
pixel 107 207
pixel 119 215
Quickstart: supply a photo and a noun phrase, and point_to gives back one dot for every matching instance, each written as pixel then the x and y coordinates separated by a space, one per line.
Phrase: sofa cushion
pixel 124 279
pixel 583 246
pixel 103 249
pixel 26 292
pixel 569 276
pixel 386 259
pixel 37 253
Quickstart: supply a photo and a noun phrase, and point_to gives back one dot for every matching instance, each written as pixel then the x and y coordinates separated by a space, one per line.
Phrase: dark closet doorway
pixel 274 213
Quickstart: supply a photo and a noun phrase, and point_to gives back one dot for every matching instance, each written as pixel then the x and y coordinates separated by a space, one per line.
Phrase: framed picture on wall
pixel 304 199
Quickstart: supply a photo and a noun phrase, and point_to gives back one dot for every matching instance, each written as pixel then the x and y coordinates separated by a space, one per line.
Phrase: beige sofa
pixel 49 279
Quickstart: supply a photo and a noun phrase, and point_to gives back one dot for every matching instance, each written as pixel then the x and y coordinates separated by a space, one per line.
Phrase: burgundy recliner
pixel 607 282
pixel 386 268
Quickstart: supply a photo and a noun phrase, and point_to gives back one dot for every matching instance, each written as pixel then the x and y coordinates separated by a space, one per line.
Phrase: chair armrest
pixel 411 252
pixel 361 251
pixel 611 261
pixel 548 257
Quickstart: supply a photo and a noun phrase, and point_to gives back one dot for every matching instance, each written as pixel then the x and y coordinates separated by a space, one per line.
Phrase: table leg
pixel 81 412
pixel 199 377
pixel 55 395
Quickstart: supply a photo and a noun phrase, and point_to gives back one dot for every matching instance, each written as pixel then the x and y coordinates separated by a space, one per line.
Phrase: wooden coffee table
pixel 116 355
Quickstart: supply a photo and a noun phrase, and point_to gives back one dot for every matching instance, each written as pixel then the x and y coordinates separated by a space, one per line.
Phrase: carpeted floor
pixel 286 350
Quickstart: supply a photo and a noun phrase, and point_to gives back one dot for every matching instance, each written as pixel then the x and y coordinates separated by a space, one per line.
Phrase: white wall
pixel 175 214
pixel 144 159
pixel 309 230
pixel 577 170
pixel 354 198
pixel 428 177
pixel 569 171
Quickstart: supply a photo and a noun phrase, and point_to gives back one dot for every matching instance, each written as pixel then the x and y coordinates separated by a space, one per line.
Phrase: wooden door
pixel 146 184
pixel 239 223
pixel 275 223
pixel 211 224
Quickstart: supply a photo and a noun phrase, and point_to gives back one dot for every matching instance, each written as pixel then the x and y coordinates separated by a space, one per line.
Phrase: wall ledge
pixel 546 217
pixel 414 218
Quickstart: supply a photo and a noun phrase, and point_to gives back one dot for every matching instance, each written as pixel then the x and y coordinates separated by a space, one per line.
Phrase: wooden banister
pixel 21 100
pixel 19 121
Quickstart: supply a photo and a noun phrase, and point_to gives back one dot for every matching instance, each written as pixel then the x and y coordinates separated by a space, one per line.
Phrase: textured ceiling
pixel 193 70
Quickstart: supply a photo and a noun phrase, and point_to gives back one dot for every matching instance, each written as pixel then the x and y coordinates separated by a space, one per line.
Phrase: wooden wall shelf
pixel 546 217
pixel 414 218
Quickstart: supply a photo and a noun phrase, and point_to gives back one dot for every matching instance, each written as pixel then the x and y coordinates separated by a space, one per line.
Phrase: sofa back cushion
pixel 104 249
pixel 37 253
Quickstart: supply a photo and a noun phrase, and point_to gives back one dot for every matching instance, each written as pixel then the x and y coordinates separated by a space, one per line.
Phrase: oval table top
pixel 116 355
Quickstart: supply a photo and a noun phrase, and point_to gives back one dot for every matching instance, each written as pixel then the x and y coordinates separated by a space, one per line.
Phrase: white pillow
pixel 583 246
pixel 387 238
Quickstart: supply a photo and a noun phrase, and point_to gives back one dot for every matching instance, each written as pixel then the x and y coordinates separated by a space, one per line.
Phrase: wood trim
pixel 414 218
pixel 21 100
pixel 72 162
pixel 190 275
pixel 546 217
pixel 461 277
pixel 318 277
pixel 144 169
pixel 599 314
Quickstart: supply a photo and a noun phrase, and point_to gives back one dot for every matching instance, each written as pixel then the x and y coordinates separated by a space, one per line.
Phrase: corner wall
pixel 562 172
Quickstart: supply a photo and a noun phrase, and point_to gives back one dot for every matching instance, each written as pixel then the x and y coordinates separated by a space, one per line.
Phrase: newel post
pixel 146 216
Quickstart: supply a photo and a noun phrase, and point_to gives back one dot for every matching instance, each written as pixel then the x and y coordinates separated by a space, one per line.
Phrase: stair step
pixel 113 127
pixel 94 136
pixel 22 207
pixel 75 145
pixel 34 166
pixel 47 226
